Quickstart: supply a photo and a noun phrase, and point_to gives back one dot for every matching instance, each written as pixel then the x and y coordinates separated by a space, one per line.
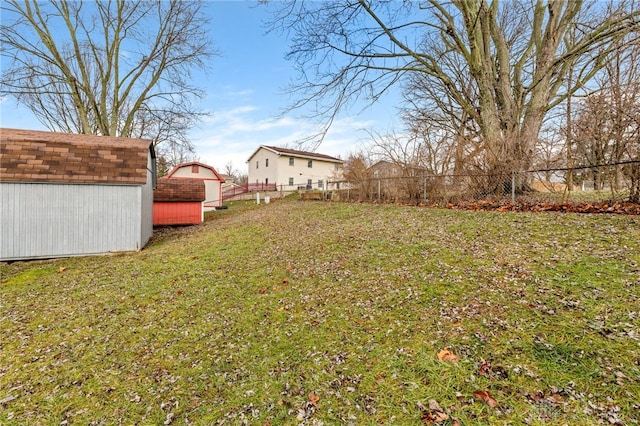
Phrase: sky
pixel 246 93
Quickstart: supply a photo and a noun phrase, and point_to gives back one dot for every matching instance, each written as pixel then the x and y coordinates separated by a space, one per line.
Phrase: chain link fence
pixel 607 183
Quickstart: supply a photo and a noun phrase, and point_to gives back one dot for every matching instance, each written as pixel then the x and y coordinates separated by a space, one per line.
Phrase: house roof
pixel 296 153
pixel 183 189
pixel 38 156
pixel 195 163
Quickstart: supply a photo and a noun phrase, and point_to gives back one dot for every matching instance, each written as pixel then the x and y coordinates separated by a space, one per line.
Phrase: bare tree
pixel 229 170
pixel 357 172
pixel 117 68
pixel 235 174
pixel 511 59
pixel 607 127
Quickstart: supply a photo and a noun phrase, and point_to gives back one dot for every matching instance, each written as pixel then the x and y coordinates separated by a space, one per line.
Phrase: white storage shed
pixel 71 195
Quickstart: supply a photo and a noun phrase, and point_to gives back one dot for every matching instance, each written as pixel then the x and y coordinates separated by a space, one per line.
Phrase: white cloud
pixel 232 135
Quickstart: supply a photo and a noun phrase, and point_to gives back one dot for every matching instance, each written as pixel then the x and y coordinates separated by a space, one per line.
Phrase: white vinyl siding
pixel 283 167
pixel 56 220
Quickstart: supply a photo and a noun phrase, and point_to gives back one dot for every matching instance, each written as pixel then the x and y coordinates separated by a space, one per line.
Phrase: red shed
pixel 178 202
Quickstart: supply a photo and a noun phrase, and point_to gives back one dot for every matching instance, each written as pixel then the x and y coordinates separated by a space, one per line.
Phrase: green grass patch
pixel 28 276
pixel 324 313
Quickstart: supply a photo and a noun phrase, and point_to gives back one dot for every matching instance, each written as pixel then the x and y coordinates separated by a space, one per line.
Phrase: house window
pixel 266 181
pixel 257 164
pixel 335 167
pixel 195 169
pixel 310 163
pixel 266 162
pixel 291 161
pixel 309 183
pixel 290 181
pixel 320 184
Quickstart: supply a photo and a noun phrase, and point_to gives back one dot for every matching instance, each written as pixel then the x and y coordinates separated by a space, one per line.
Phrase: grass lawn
pixel 324 313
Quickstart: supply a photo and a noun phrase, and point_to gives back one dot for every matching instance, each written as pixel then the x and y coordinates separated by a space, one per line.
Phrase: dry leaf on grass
pixel 434 414
pixel 484 369
pixel 446 355
pixel 433 417
pixel 486 397
pixel 313 398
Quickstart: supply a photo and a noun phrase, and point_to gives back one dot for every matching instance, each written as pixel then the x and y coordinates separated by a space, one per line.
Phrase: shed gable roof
pixel 296 153
pixel 195 163
pixel 183 189
pixel 38 156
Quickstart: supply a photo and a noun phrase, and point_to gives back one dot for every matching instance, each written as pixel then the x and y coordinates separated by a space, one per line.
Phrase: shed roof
pixel 38 156
pixel 296 153
pixel 183 189
pixel 195 163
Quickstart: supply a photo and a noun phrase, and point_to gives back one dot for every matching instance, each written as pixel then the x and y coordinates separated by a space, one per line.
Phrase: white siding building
pixel 71 195
pixel 212 181
pixel 291 170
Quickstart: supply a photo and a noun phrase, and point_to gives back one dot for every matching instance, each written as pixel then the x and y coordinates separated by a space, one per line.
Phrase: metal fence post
pixel 424 183
pixel 513 187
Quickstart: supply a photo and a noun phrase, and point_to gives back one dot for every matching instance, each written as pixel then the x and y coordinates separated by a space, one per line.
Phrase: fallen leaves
pixel 434 414
pixel 554 399
pixel 606 208
pixel 388 291
pixel 486 397
pixel 485 369
pixel 446 355
pixel 313 398
pixel 283 283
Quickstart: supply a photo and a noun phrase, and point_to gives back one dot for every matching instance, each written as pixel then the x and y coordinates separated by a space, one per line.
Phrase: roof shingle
pixel 297 153
pixel 183 189
pixel 37 156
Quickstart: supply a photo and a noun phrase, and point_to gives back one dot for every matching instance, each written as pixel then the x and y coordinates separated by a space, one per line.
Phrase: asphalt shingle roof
pixel 183 189
pixel 38 156
pixel 305 154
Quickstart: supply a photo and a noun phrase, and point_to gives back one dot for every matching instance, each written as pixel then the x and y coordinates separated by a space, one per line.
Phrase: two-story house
pixel 290 169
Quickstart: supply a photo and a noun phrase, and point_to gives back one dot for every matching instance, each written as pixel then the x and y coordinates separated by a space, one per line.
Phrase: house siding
pixel 279 171
pixel 57 220
pixel 262 173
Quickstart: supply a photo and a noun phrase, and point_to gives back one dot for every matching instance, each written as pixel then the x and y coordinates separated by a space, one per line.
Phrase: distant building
pixel 212 181
pixel 71 195
pixel 291 169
